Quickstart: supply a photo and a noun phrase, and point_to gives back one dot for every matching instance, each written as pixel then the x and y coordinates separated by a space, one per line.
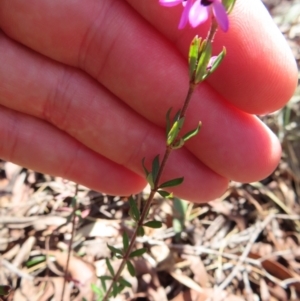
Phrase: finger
pixel 37 145
pixel 77 105
pixel 110 45
pixel 259 73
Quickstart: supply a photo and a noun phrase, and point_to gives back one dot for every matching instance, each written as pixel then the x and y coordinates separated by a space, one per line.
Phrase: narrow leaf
pixel 103 281
pixel 124 282
pixel 138 253
pixel 180 208
pixel 192 133
pixel 173 133
pixel 130 268
pixel 97 290
pixel 165 194
pixel 203 61
pixel 218 60
pixel 153 224
pixel 193 56
pixel 172 183
pixel 105 277
pixel 155 168
pixel 35 260
pixel 150 180
pixel 168 122
pixel 115 290
pixel 140 231
pixel 110 268
pixel 125 241
pixel 134 209
pixel 120 288
pixel 115 250
pixel 177 225
pixel 144 167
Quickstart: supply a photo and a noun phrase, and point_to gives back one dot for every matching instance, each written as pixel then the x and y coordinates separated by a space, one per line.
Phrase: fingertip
pixel 262 67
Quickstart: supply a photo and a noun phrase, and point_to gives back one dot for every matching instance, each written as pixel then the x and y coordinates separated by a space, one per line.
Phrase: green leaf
pixel 150 180
pixel 144 167
pixel 173 133
pixel 193 56
pixel 109 266
pixel 228 4
pixel 180 207
pixel 179 213
pixel 97 290
pixel 168 122
pixel 103 284
pixel 115 250
pixel 172 183
pixel 138 253
pixel 134 209
pixel 203 61
pixel 124 282
pixel 140 231
pixel 192 133
pixel 216 63
pixel 177 225
pixel 153 224
pixel 130 268
pixel 35 260
pixel 103 279
pixel 120 288
pixel 115 290
pixel 165 194
pixel 4 290
pixel 125 241
pixel 155 168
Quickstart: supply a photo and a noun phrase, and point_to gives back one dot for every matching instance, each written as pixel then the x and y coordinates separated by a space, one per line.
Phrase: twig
pixel 143 216
pixel 244 255
pixel 71 241
pixel 169 148
pixel 15 270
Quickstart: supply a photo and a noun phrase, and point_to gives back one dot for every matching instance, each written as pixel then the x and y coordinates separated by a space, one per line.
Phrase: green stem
pixel 140 223
pixel 147 206
pixel 191 90
pixel 213 29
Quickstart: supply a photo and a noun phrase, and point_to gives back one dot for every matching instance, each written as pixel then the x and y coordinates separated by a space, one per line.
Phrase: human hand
pixel 85 86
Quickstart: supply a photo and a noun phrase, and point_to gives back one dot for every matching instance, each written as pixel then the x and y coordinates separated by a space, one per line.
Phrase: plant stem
pixel 191 90
pixel 212 30
pixel 147 206
pixel 71 242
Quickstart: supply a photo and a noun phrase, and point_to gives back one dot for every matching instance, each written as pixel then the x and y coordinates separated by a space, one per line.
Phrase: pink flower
pixel 198 11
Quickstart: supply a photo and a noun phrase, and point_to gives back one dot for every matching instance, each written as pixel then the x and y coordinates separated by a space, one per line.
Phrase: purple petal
pixel 185 14
pixel 169 3
pixel 221 15
pixel 198 14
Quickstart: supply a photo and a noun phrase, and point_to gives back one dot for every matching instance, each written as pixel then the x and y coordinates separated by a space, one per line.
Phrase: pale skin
pixel 85 85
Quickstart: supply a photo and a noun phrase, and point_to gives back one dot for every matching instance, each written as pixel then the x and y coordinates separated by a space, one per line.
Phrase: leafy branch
pixel 201 65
